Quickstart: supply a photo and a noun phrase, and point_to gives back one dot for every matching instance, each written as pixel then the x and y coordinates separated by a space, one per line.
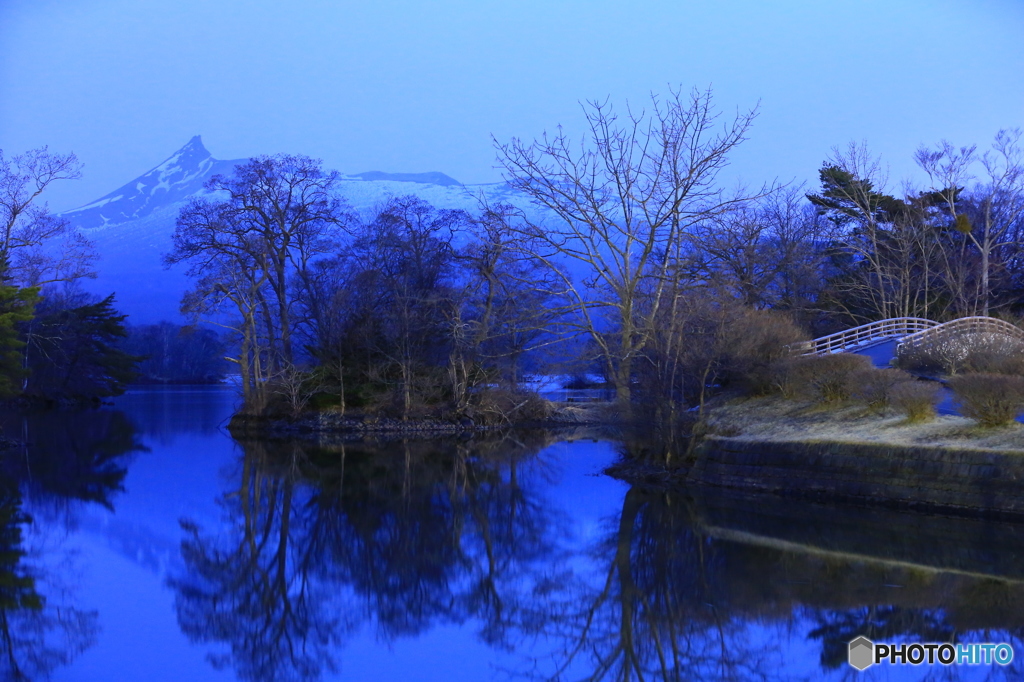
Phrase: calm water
pixel 140 542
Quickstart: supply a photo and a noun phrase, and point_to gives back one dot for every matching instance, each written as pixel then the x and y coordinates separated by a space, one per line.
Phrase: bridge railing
pixel 963 325
pixel 896 327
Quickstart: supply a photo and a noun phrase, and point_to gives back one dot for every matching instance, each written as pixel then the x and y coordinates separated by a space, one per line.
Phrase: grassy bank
pixel 850 455
pixel 771 419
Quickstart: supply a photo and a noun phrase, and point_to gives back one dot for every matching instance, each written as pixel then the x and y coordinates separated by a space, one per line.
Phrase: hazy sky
pixel 421 86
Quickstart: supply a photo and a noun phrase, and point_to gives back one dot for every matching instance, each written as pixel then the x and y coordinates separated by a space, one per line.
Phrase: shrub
pixel 832 376
pixel 500 406
pixel 757 342
pixel 996 362
pixel 915 399
pixel 826 379
pixel 966 352
pixel 874 387
pixel 920 359
pixel 783 376
pixel 991 399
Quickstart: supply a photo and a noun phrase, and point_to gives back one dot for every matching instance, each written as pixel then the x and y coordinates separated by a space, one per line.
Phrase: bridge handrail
pixel 975 324
pixel 881 329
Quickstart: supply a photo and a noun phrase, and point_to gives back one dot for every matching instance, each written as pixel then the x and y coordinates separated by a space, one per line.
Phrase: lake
pixel 141 542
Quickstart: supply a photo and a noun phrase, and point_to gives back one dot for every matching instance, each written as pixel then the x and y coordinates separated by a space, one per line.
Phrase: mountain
pixel 423 178
pixel 132 226
pixel 175 180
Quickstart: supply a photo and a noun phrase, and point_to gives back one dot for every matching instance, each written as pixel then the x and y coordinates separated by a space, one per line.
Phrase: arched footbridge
pixel 902 332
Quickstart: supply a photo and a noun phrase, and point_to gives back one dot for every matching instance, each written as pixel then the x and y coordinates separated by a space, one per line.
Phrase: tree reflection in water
pixel 69 458
pixel 417 534
pixel 658 611
pixel 675 602
pixel 412 534
pixel 260 592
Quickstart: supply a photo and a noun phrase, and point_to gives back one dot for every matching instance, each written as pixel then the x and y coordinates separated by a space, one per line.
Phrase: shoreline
pixel 355 425
pixel 848 455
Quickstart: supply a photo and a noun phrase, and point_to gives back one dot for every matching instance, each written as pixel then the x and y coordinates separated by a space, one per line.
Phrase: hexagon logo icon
pixel 862 653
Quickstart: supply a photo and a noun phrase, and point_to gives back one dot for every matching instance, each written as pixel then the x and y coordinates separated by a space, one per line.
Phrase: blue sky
pixel 403 86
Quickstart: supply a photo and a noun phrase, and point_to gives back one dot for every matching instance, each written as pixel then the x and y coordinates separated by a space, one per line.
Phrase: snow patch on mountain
pixel 132 226
pixel 423 178
pixel 180 176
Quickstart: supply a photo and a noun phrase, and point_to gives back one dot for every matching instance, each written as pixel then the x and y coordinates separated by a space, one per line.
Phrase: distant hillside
pixel 132 226
pixel 424 178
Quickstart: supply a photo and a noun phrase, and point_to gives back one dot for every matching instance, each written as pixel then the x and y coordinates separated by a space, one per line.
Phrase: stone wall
pixel 958 481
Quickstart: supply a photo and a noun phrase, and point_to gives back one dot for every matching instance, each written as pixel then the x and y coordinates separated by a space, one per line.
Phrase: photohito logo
pixel 864 653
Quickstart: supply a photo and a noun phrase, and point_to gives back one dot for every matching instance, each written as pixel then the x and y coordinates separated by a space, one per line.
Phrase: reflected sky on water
pixel 141 542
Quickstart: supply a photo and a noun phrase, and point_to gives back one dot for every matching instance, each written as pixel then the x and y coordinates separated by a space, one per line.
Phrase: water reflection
pixel 411 535
pixel 760 574
pixel 67 458
pixel 658 610
pixel 415 535
pixel 330 561
pixel 164 414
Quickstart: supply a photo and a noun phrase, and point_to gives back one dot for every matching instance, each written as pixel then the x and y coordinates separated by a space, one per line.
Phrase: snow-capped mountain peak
pixel 188 162
pixel 138 220
pixel 179 176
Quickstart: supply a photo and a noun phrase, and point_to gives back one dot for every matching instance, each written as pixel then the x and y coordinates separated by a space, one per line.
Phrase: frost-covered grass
pixel 774 419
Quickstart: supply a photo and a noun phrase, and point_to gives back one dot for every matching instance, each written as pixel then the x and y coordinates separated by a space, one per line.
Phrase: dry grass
pixel 770 419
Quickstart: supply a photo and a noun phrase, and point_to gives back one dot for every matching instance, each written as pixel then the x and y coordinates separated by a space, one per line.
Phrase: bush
pixel 783 376
pixel 920 359
pixel 991 399
pixel 500 406
pixel 996 362
pixel 758 341
pixel 825 379
pixel 874 387
pixel 915 399
pixel 966 352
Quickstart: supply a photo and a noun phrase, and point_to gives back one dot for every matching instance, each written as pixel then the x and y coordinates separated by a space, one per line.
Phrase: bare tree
pixel 622 203
pixel 41 248
pixel 767 253
pixel 232 286
pixel 280 215
pixel 327 302
pixel 407 253
pixel 998 199
pixel 508 308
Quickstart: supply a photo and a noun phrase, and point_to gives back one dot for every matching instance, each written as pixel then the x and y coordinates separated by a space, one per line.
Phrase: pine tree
pixel 76 354
pixel 17 307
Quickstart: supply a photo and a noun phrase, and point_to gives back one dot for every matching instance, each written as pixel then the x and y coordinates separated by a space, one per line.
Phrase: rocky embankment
pixel 357 426
pixel 948 465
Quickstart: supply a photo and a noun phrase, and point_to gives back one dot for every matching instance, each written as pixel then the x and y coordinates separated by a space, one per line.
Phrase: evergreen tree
pixel 845 197
pixel 17 306
pixel 75 352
